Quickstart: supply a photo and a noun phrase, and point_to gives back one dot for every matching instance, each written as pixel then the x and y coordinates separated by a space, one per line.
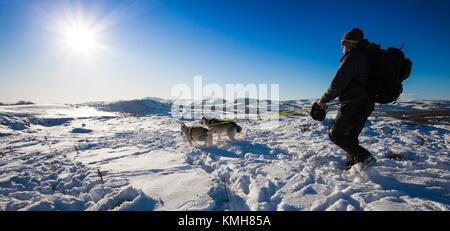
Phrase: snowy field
pixel 129 155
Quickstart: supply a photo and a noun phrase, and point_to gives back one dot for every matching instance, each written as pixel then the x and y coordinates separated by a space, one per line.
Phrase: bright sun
pixel 81 34
pixel 80 40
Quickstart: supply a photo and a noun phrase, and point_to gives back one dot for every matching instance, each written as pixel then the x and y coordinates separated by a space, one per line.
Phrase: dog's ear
pixel 183 125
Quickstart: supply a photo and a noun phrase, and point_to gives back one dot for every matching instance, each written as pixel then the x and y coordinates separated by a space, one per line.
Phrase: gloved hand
pixel 317 112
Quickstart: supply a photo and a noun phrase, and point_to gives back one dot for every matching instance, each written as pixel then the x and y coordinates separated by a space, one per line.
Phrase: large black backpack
pixel 389 68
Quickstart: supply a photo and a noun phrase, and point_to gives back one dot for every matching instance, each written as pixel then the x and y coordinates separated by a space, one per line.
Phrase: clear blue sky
pixel 144 48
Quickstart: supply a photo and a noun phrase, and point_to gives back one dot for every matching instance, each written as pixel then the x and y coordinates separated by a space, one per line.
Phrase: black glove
pixel 317 112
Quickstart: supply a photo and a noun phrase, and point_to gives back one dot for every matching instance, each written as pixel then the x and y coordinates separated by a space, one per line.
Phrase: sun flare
pixel 82 32
pixel 80 40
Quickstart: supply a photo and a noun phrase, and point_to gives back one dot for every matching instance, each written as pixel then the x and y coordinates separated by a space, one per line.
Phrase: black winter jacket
pixel 350 81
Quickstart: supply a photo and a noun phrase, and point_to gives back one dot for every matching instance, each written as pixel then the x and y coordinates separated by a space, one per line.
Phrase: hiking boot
pixel 350 162
pixel 369 161
pixel 348 166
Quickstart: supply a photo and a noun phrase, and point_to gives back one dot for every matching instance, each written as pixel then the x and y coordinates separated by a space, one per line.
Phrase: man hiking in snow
pixel 350 85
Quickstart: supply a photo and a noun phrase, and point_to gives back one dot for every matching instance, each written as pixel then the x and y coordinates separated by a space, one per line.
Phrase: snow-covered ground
pixel 129 155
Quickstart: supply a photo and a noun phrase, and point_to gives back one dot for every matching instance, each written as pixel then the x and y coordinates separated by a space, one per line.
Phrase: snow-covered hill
pixel 129 155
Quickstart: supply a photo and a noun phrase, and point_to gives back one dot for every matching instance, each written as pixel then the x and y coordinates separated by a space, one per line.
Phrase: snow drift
pixel 143 106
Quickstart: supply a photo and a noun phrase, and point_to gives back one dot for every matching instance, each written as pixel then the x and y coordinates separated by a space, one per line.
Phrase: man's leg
pixel 346 129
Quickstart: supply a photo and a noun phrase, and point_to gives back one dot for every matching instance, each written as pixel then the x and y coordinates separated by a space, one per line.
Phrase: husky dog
pixel 196 134
pixel 221 126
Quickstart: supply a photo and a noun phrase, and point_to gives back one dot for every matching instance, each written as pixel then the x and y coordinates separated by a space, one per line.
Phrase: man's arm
pixel 340 81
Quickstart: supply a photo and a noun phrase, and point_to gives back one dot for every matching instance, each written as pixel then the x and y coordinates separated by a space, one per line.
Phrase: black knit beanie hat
pixel 353 35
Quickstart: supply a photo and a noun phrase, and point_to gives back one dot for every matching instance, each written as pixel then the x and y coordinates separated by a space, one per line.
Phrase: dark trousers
pixel 348 125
